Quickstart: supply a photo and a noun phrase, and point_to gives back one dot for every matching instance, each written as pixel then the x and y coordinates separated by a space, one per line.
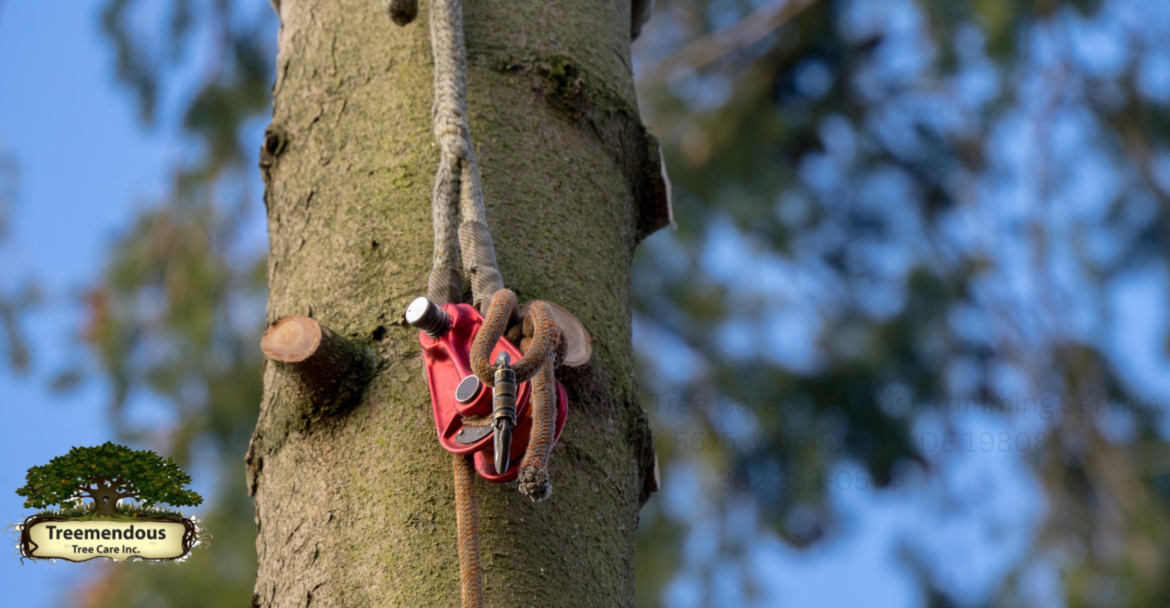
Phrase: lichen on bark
pixel 357 509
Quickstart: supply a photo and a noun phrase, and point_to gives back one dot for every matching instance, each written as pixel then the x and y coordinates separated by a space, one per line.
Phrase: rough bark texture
pixel 358 509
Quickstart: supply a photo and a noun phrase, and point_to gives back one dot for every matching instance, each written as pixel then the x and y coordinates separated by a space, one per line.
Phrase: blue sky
pixel 84 165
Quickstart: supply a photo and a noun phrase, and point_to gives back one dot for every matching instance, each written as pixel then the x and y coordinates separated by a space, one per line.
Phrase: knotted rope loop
pixel 540 341
pixel 541 350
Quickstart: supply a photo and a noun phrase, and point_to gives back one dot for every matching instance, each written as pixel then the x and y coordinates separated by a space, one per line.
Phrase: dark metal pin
pixel 504 411
pixel 468 389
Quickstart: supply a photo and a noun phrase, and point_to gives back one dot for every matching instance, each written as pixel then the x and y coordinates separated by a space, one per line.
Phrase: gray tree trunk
pixel 357 508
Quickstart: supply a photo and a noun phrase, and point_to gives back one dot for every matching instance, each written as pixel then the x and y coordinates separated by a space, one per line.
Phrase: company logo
pixel 91 489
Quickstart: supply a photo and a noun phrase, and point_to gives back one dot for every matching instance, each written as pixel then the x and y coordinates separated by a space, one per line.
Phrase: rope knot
pixel 500 311
pixel 534 484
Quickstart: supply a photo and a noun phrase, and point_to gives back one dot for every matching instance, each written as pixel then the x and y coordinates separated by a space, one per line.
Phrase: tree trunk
pixel 356 507
pixel 105 501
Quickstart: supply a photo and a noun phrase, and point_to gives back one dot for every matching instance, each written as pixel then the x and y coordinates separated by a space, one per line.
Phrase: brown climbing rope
pixel 533 481
pixel 467 523
pixel 536 365
pixel 501 309
pixel 457 186
pixel 540 336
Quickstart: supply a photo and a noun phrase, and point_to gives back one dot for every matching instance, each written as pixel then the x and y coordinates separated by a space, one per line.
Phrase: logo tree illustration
pixel 107 474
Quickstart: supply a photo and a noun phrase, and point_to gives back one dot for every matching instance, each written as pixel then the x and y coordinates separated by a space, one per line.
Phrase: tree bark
pixel 357 508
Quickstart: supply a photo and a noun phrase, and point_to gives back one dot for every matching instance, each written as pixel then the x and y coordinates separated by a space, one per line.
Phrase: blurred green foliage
pixel 173 320
pixel 884 206
pixel 142 474
pixel 15 302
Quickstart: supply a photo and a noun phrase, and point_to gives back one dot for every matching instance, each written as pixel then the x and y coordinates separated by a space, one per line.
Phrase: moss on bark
pixel 357 510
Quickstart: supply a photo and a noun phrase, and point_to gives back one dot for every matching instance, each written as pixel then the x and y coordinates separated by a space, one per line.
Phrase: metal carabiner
pixel 504 411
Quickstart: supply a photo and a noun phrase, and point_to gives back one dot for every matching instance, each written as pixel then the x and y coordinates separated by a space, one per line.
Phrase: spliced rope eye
pixel 457 184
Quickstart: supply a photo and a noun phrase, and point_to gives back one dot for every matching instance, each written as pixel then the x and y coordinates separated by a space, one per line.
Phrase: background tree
pixel 899 220
pixel 13 302
pixel 106 474
pixel 176 315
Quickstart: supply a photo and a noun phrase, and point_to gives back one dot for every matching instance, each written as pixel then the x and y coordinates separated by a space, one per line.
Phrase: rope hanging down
pixel 457 187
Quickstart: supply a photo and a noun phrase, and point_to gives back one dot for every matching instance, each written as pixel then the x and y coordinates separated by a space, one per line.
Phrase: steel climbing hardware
pixel 469 412
pixel 429 317
pixel 503 411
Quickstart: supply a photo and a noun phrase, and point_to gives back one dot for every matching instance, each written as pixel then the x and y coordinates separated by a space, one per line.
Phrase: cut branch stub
pixel 331 370
pixel 574 348
pixel 578 344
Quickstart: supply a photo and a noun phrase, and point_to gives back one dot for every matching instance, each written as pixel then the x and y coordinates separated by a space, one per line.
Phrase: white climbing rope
pixel 457 187
pixel 457 183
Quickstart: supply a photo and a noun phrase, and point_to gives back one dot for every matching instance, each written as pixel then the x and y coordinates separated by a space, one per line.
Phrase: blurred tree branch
pixel 718 44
